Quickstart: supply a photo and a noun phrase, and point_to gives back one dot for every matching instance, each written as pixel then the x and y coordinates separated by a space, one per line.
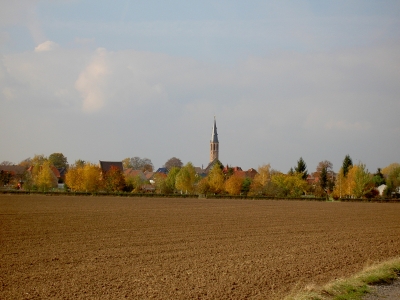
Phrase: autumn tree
pixel 393 181
pixel 80 163
pixel 5 177
pixel 325 175
pixel 301 168
pixel 114 180
pixel 137 163
pixel 186 178
pixel 362 180
pixel 58 160
pixel 347 164
pixel 74 178
pixel 92 178
pixel 289 185
pixel 46 179
pixel 233 185
pixel 261 181
pixel 134 183
pixel 161 184
pixel 203 186
pixel 38 159
pixel 26 163
pixel 388 169
pixel 171 179
pixel 216 179
pixel 173 162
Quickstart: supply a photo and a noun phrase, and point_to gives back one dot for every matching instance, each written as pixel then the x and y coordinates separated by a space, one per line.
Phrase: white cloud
pixel 91 82
pixel 46 46
pixel 345 126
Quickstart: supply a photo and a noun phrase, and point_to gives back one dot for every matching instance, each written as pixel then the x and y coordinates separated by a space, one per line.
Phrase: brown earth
pixel 142 248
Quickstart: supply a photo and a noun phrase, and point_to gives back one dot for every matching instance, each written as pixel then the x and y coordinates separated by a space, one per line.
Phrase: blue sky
pixel 106 80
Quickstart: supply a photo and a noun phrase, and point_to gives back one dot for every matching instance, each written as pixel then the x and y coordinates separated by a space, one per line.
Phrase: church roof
pixel 214 135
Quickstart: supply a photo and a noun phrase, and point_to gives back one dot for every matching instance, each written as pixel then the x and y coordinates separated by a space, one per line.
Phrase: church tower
pixel 214 144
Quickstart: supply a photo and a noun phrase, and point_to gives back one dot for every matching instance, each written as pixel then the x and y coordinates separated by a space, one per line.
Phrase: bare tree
pixel 6 163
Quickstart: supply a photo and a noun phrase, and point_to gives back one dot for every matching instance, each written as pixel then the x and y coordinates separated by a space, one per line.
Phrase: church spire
pixel 214 143
pixel 214 135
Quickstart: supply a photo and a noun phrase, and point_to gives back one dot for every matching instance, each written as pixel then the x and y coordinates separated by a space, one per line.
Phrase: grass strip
pixel 352 288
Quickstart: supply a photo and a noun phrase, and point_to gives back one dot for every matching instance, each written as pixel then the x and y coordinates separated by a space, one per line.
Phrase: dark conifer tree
pixel 301 168
pixel 347 163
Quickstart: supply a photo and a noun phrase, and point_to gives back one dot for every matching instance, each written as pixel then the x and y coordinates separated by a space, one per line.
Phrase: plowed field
pixel 110 247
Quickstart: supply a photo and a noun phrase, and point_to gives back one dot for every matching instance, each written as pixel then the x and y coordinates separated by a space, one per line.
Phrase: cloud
pixel 91 82
pixel 343 125
pixel 46 46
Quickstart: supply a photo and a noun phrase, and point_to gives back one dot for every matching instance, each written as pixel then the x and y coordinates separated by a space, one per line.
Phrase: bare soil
pixel 143 248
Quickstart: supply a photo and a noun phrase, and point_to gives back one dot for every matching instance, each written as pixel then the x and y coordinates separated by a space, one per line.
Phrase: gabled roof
pixel 211 165
pixel 133 173
pixel 149 175
pixel 62 171
pixel 14 169
pixel 106 165
pixel 162 170
pixel 53 169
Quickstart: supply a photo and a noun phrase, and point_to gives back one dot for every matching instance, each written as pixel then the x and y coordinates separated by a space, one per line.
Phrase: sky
pixel 107 80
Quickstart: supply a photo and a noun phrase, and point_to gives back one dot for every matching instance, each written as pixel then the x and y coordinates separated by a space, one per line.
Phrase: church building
pixel 214 144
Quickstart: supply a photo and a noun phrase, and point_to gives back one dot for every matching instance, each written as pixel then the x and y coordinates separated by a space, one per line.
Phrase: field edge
pixel 354 287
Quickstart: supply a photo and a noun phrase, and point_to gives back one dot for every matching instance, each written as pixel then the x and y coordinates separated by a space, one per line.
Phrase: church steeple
pixel 214 144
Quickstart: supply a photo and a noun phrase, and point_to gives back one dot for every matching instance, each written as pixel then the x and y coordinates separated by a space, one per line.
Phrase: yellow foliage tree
pixel 46 179
pixel 289 185
pixel 339 191
pixel 186 178
pixel 216 179
pixel 261 180
pixel 74 178
pixel 387 170
pixel 203 187
pixel 234 185
pixel 91 178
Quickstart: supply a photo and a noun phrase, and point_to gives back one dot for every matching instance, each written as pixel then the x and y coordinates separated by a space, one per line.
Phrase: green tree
pixel 246 185
pixel 289 185
pixel 393 181
pixel 46 179
pixel 134 183
pixel 171 179
pixel 362 180
pixel 301 168
pixel 186 178
pixel 58 160
pixel 378 178
pixel 347 164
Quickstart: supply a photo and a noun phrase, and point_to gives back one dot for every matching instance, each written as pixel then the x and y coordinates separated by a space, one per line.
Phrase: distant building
pixel 105 166
pixel 214 143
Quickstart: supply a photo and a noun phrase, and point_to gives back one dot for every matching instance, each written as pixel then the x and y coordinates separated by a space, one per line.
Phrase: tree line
pixel 352 181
